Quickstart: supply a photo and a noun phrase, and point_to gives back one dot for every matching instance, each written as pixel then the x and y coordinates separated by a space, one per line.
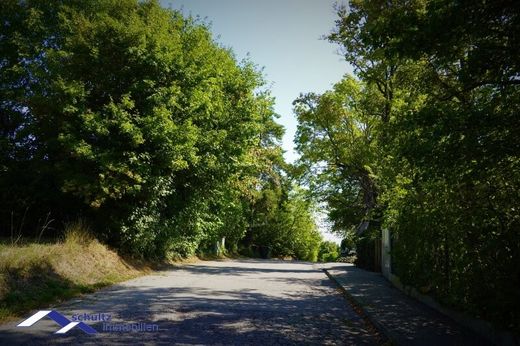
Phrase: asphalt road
pixel 240 302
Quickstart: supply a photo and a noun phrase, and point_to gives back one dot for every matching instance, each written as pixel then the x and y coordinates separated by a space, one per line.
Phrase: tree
pixel 446 159
pixel 130 115
pixel 133 117
pixel 282 219
pixel 335 138
pixel 329 251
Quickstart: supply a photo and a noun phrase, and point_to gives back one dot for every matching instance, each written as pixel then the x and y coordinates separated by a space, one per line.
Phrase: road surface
pixel 239 302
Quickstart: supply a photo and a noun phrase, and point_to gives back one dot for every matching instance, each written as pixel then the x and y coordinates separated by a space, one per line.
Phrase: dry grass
pixel 35 275
pixel 77 233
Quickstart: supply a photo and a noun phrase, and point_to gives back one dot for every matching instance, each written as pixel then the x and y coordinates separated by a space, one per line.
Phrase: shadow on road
pixel 243 302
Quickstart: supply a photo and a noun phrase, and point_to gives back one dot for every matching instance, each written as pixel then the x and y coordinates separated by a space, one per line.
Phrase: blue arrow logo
pixel 63 321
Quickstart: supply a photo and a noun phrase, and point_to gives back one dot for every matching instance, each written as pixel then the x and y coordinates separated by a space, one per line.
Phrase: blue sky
pixel 284 37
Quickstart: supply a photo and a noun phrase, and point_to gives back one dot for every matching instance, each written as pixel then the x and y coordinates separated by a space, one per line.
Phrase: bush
pixel 329 251
pixel 132 116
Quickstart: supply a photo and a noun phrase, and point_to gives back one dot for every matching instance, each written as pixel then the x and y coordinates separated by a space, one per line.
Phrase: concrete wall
pixel 386 263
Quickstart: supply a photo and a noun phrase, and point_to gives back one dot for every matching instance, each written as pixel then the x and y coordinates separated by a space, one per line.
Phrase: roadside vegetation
pixel 34 275
pixel 133 118
pixel 329 252
pixel 423 140
pixel 126 131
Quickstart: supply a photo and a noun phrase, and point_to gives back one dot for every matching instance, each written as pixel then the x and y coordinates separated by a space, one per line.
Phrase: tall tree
pixel 128 114
pixel 447 158
pixel 336 140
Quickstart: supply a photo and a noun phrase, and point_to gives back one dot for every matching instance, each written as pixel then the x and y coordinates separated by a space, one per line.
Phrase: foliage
pixel 329 251
pixel 348 243
pixel 335 138
pixel 34 275
pixel 132 117
pixel 282 223
pixel 443 149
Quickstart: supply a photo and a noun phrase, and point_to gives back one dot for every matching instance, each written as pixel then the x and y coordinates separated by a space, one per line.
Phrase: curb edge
pixel 384 335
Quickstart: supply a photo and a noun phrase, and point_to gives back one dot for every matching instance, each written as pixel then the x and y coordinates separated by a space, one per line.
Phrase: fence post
pixel 386 267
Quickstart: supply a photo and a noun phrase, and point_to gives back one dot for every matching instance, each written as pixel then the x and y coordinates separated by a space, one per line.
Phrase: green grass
pixel 35 275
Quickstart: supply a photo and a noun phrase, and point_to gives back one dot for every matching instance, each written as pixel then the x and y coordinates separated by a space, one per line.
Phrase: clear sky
pixel 284 37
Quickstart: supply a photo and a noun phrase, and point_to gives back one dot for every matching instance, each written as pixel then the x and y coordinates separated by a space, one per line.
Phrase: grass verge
pixel 37 275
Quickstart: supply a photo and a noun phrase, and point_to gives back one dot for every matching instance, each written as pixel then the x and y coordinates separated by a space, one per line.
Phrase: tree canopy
pixel 431 121
pixel 133 117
